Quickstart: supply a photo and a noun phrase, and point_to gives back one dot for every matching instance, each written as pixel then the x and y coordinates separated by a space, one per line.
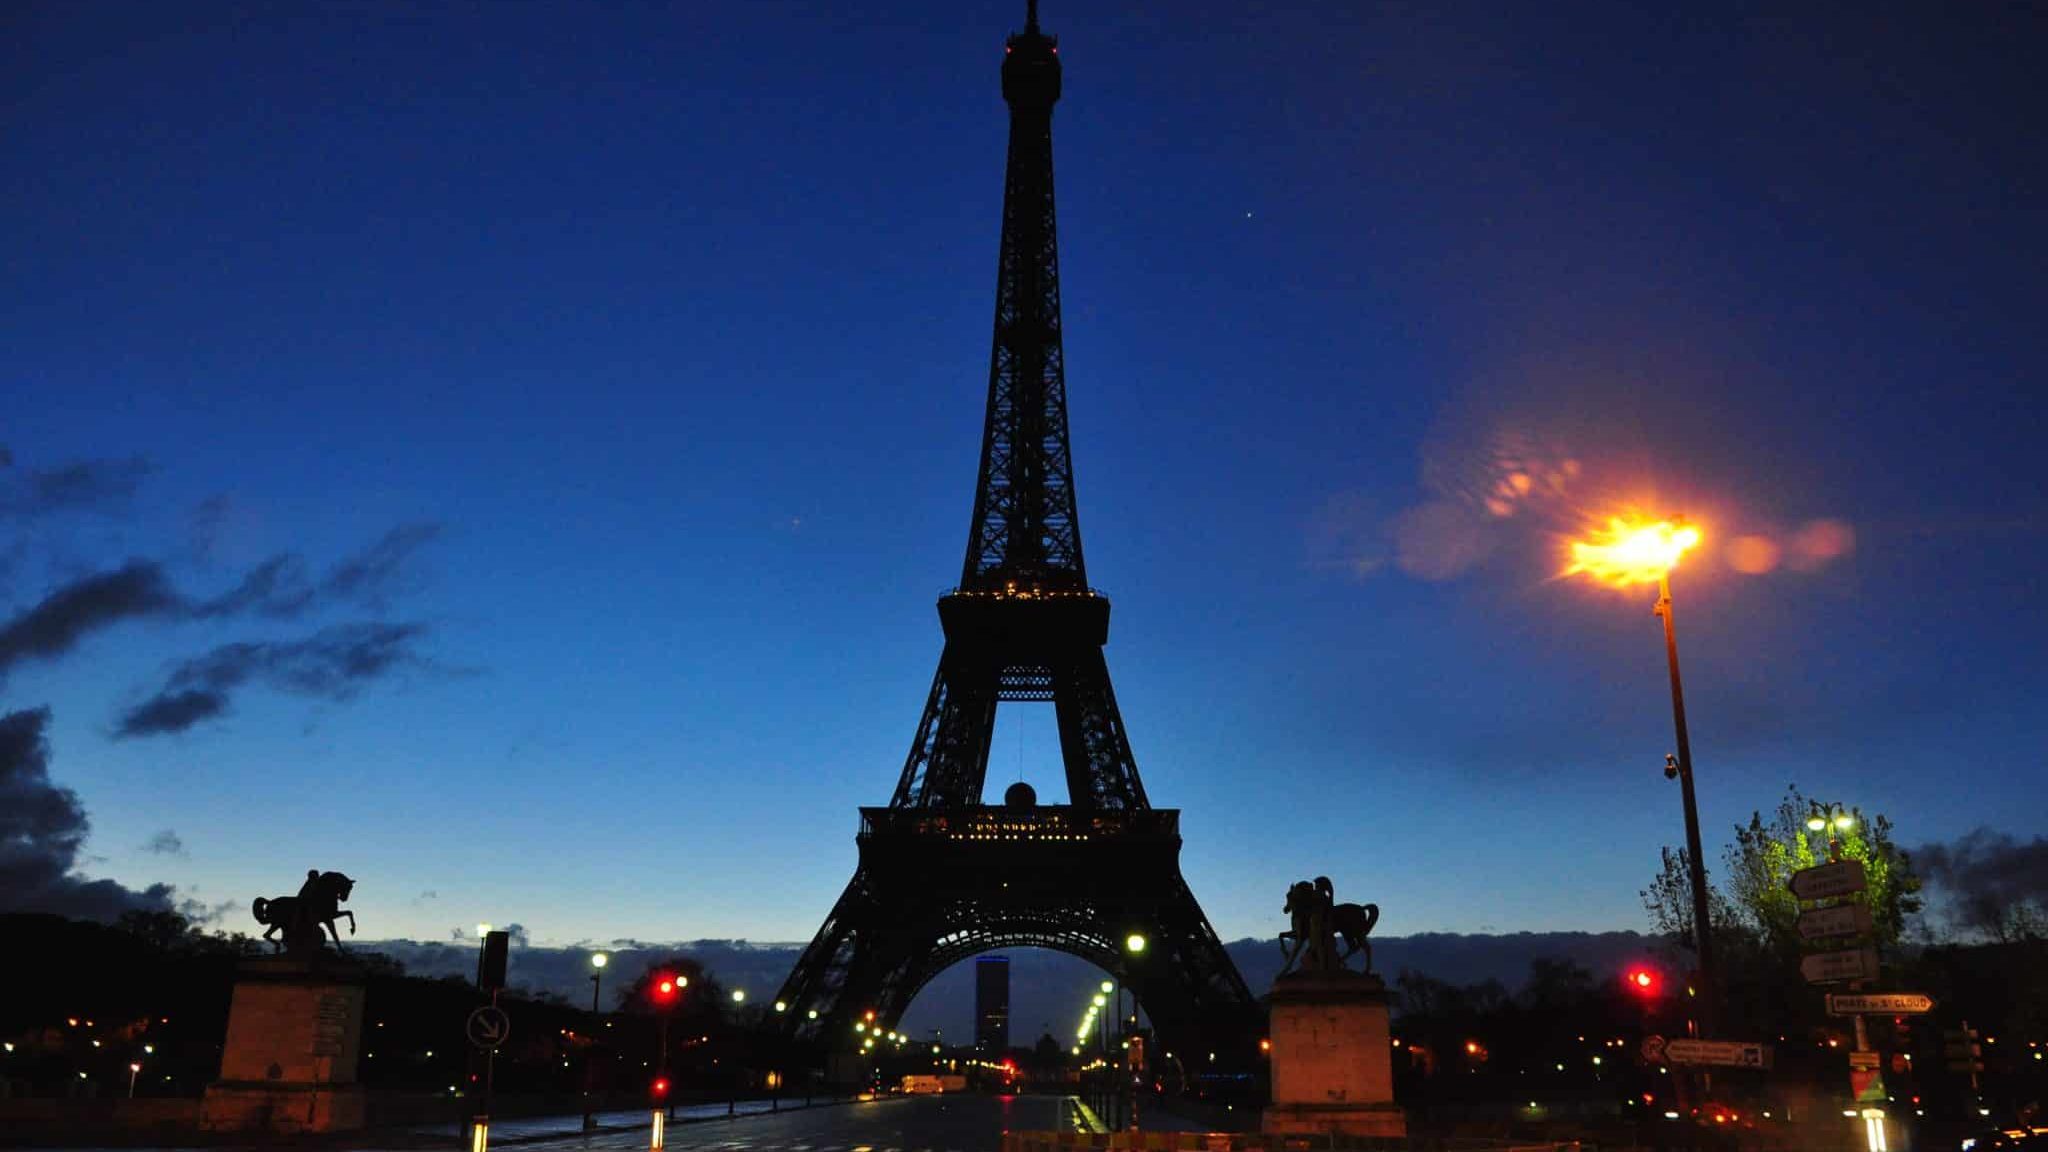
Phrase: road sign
pixel 1840 920
pixel 488 1027
pixel 1849 964
pixel 1880 1004
pixel 1837 879
pixel 1653 1049
pixel 1723 1053
pixel 1863 1060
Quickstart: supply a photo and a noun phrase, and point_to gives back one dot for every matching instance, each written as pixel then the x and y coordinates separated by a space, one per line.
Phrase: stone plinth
pixel 1332 1063
pixel 295 1032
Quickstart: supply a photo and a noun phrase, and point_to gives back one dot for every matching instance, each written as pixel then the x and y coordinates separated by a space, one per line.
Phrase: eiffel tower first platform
pixel 943 876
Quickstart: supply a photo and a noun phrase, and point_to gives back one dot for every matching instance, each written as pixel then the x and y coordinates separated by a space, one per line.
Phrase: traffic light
pixel 660 1087
pixel 666 987
pixel 1643 981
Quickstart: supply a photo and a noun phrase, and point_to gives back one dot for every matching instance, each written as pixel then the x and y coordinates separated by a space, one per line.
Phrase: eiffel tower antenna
pixel 942 875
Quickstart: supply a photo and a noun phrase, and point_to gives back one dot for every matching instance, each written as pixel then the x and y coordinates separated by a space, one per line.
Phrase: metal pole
pixel 590 1061
pixel 1698 866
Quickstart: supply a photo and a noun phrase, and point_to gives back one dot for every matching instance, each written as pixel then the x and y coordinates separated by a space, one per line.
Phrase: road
pixel 965 1122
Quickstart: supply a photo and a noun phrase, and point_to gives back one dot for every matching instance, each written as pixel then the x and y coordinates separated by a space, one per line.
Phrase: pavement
pixel 951 1123
pixel 954 1122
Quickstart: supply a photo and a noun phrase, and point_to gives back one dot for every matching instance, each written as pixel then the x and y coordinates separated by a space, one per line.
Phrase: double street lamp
pixel 1622 555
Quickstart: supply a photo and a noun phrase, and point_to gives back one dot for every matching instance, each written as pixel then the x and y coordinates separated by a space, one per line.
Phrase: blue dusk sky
pixel 510 452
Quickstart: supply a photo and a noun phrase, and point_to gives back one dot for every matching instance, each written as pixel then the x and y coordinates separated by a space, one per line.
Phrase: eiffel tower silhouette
pixel 942 876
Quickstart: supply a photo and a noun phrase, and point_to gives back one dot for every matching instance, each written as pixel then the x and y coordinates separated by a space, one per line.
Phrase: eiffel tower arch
pixel 943 876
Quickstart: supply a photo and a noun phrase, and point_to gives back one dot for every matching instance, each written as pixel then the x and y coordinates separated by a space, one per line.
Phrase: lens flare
pixel 1627 552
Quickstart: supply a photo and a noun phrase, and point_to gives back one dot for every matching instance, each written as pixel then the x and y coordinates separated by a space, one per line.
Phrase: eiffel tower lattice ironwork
pixel 943 876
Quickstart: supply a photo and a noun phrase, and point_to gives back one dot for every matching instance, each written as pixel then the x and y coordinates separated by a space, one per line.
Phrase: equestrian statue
pixel 1318 922
pixel 300 917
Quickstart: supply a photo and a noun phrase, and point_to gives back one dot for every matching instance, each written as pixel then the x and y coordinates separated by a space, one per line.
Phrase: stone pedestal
pixel 295 1032
pixel 1332 1062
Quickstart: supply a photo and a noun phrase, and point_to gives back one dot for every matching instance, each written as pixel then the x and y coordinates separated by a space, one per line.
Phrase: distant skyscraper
pixel 992 1004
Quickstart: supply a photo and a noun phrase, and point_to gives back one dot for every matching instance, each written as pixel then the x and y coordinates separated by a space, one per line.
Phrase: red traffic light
pixel 661 1086
pixel 1642 981
pixel 667 986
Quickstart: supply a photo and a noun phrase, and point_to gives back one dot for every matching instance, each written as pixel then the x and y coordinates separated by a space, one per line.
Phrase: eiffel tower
pixel 942 876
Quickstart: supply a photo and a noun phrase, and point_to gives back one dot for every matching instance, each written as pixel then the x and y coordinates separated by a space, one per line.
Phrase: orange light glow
pixel 1627 552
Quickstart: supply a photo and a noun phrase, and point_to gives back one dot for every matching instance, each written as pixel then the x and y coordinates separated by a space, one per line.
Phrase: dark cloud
pixel 200 912
pixel 277 587
pixel 283 587
pixel 520 937
pixel 170 712
pixel 64 617
pixel 42 827
pixel 332 664
pixel 1989 866
pixel 372 575
pixel 86 485
pixel 165 843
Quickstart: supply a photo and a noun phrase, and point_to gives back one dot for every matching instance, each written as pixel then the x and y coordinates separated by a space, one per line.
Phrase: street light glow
pixel 1134 943
pixel 1628 552
pixel 599 959
pixel 1108 987
pixel 739 995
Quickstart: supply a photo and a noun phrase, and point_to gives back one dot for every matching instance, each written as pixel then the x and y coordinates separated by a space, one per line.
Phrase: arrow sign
pixel 488 1027
pixel 1880 1004
pixel 1724 1053
pixel 1850 964
pixel 1840 920
pixel 1838 879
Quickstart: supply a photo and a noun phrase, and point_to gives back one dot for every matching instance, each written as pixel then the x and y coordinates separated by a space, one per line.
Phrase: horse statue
pixel 1317 923
pixel 300 917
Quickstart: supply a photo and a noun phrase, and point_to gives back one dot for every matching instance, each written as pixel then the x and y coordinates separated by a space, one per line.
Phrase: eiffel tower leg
pixel 949 757
pixel 1100 768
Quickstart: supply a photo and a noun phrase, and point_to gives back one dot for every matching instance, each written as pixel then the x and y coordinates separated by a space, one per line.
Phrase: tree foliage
pixel 1766 854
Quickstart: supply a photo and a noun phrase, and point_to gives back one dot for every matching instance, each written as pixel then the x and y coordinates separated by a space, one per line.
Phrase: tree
pixel 1766 854
pixel 1668 901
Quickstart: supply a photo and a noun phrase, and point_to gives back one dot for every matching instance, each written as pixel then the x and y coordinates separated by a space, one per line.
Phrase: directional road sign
pixel 1880 1004
pixel 1653 1048
pixel 1837 879
pixel 1840 920
pixel 1849 964
pixel 488 1027
pixel 1864 1059
pixel 1723 1053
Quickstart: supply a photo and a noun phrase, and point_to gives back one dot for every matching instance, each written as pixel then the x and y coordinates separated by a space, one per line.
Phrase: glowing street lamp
pixel 1624 554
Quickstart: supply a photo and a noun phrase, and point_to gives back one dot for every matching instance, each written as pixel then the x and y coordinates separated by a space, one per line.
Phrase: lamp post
pixel 1134 949
pixel 1626 554
pixel 597 962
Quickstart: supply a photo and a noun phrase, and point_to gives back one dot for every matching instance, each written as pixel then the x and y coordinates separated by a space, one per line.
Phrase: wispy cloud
pixel 374 574
pixel 165 843
pixel 85 485
pixel 333 664
pixel 54 626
